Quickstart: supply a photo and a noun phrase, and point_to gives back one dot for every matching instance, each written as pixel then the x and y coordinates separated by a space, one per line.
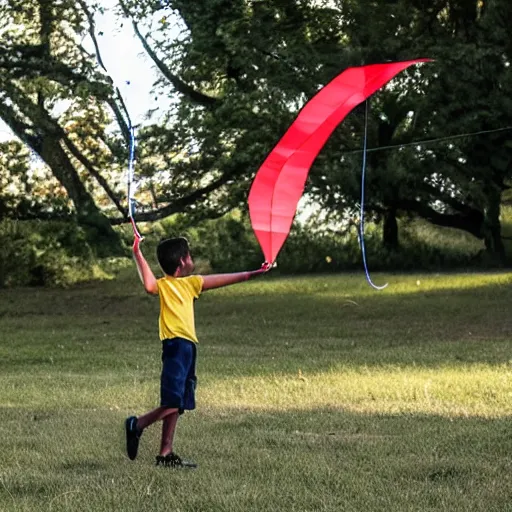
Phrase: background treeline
pixel 232 75
pixel 56 253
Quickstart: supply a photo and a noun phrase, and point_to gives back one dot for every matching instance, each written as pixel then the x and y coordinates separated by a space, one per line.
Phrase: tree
pixel 456 183
pixel 39 67
pixel 243 70
pixel 233 76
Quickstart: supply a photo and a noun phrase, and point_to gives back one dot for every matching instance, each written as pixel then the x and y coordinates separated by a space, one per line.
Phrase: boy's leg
pixel 151 417
pixel 134 427
pixel 168 429
pixel 167 457
pixel 178 366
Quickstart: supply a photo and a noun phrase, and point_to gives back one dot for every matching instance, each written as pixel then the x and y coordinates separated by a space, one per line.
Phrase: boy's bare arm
pixel 145 273
pixel 218 280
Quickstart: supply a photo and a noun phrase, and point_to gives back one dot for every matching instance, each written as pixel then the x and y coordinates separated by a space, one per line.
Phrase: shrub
pixel 228 244
pixel 38 253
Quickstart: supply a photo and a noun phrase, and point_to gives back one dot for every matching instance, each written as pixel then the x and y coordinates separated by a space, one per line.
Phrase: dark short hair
pixel 170 252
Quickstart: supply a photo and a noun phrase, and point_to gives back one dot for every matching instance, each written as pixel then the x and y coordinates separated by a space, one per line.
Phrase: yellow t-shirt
pixel 177 295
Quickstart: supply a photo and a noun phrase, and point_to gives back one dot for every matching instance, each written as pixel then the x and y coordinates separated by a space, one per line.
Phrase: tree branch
pixel 51 68
pixel 180 204
pixel 179 85
pixel 471 222
pixel 91 169
pixel 125 130
pixel 59 132
pixel 49 125
pixel 19 128
pixel 446 198
pixel 28 63
pixel 46 24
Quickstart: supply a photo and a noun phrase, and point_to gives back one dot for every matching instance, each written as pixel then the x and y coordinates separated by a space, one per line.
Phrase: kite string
pixel 429 141
pixel 361 222
pixel 126 124
pixel 131 185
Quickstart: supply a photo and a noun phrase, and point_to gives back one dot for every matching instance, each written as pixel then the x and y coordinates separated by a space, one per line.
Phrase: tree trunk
pixel 390 230
pixel 492 228
pixel 99 233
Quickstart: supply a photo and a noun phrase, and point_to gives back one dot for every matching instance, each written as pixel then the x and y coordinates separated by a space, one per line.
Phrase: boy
pixel 177 291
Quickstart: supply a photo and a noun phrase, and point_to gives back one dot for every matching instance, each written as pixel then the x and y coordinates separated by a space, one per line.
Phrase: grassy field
pixel 315 394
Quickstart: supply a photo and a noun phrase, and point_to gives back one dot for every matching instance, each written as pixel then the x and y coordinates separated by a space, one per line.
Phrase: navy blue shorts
pixel 178 380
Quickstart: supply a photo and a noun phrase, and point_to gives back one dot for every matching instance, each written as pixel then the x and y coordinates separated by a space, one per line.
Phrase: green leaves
pixel 232 77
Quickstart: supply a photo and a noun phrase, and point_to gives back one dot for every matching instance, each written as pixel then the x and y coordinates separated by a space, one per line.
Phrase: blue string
pixel 361 223
pixel 131 161
pixel 132 187
pixel 131 191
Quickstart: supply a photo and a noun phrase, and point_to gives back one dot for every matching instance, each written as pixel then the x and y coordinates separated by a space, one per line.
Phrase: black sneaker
pixel 174 461
pixel 132 437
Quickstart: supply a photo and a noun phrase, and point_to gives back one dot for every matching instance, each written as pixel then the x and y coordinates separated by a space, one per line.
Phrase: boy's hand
pixel 265 267
pixel 136 242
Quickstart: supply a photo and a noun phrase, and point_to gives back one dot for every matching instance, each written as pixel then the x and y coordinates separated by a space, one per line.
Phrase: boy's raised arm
pixel 218 280
pixel 145 273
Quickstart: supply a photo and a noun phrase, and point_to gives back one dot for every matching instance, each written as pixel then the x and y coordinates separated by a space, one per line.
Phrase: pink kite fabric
pixel 279 182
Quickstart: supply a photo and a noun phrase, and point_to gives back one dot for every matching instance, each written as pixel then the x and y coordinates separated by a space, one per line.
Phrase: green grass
pixel 315 394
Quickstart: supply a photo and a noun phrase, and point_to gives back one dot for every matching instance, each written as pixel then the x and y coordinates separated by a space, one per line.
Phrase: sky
pixel 126 62
pixel 124 58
